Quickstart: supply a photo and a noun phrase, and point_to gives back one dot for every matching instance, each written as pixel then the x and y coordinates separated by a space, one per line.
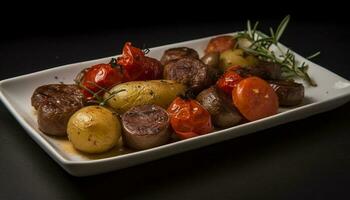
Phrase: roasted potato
pixel 211 59
pixel 234 57
pixel 94 129
pixel 243 43
pixel 124 96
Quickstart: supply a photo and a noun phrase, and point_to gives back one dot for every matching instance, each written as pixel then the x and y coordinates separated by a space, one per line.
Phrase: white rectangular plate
pixel 332 91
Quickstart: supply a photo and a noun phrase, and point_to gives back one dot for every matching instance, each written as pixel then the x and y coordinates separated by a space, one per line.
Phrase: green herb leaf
pixel 282 27
pixel 261 47
pixel 249 29
pixel 314 55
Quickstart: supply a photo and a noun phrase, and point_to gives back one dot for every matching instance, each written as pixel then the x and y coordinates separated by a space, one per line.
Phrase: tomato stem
pixel 113 63
pixel 188 95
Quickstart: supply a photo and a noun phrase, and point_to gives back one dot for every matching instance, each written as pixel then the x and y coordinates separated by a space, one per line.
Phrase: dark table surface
pixel 305 159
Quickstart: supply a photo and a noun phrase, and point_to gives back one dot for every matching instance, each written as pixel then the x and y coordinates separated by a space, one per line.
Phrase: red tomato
pixel 152 69
pixel 99 78
pixel 255 98
pixel 228 81
pixel 188 118
pixel 137 66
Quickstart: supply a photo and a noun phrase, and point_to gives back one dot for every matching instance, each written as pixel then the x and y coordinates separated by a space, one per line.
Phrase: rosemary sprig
pixel 261 46
pixel 96 95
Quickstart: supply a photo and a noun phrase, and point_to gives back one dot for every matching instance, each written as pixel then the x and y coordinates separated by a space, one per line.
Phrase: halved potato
pixel 236 57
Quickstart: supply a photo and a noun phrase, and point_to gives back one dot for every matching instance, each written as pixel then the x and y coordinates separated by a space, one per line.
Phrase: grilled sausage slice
pixel 177 53
pixel 55 104
pixel 145 127
pixel 267 70
pixel 264 70
pixel 223 113
pixel 220 44
pixel 190 72
pixel 289 93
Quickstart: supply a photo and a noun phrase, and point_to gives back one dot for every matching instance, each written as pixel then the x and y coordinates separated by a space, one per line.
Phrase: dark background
pixel 305 159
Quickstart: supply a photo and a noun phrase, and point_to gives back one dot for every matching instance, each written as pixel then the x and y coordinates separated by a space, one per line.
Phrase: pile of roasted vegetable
pixel 146 102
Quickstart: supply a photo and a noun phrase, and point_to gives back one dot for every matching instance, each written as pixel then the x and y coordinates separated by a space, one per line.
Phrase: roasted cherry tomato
pixel 137 66
pixel 228 81
pixel 152 69
pixel 188 118
pixel 99 78
pixel 255 98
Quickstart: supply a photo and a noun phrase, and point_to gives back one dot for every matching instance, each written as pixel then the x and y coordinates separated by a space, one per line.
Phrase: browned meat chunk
pixel 220 107
pixel 289 93
pixel 145 127
pixel 189 71
pixel 220 44
pixel 55 104
pixel 264 70
pixel 177 53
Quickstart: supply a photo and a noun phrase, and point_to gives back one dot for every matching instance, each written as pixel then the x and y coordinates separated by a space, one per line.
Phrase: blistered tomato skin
pixel 188 118
pixel 228 81
pixel 138 67
pixel 255 98
pixel 99 78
